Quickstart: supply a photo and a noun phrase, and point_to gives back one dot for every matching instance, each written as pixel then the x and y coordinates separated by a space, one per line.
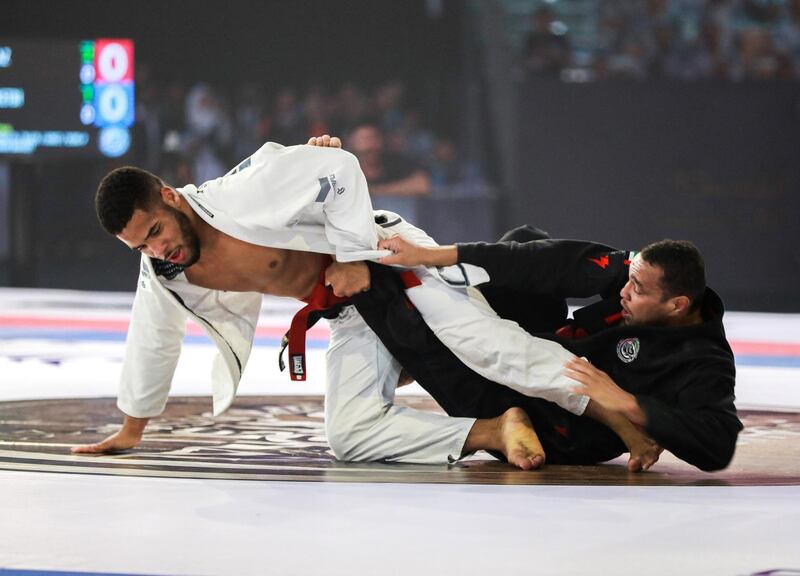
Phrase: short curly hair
pixel 122 191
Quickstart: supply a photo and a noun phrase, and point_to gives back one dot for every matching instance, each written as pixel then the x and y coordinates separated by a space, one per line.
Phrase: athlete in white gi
pixel 314 200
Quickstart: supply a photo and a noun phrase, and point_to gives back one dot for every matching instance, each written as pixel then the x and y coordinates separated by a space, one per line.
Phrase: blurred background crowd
pixel 678 39
pixel 193 133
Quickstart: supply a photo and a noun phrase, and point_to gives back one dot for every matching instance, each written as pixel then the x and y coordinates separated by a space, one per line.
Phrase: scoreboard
pixel 62 98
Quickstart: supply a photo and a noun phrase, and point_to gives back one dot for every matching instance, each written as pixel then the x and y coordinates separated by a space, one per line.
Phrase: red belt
pixel 322 298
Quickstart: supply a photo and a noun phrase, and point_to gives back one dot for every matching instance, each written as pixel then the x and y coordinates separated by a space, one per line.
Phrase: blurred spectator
pixel 411 138
pixel 317 112
pixel 148 129
pixel 394 180
pixel 354 107
pixel 721 14
pixel 547 50
pixel 709 59
pixel 629 62
pixel 760 11
pixel 248 113
pixel 786 39
pixel 287 123
pixel 209 133
pixel 389 105
pixel 173 116
pixel 174 167
pixel 451 176
pixel 757 58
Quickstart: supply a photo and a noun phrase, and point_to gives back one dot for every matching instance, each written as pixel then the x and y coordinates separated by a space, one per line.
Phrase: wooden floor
pixel 282 438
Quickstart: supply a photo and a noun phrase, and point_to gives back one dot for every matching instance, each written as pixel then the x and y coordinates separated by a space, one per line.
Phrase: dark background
pixel 296 42
pixel 621 162
pixel 629 163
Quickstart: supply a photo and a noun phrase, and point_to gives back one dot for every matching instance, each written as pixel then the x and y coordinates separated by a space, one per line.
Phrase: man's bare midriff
pixel 227 263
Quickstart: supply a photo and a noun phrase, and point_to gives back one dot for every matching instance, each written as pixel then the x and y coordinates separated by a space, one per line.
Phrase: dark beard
pixel 190 237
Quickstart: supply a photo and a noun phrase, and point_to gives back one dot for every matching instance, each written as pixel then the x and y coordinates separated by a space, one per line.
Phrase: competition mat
pixel 282 438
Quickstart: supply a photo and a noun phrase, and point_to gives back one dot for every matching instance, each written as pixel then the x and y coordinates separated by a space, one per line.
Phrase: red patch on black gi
pixel 602 261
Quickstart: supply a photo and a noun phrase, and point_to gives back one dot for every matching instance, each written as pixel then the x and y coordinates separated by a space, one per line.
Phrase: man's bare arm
pixel 407 254
pixel 644 452
pixel 617 409
pixel 127 437
pixel 599 386
pixel 347 278
pixel 418 183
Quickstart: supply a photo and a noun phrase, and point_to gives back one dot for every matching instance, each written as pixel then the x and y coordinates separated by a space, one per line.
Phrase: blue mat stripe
pixel 12 572
pixel 313 343
pixel 770 361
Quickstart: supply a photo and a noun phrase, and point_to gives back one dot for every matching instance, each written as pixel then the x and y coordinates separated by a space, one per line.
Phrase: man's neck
pixel 690 319
pixel 207 235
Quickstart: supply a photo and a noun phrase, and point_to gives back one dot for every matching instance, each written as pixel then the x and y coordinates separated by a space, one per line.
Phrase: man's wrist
pixel 439 256
pixel 633 411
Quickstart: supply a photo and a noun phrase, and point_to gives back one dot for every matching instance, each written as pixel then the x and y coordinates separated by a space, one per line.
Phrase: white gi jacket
pixel 300 198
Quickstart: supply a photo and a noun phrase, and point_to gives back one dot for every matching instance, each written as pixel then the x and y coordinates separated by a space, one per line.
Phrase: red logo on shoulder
pixel 602 261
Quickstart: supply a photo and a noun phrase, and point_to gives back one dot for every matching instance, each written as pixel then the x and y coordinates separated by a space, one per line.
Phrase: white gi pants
pixel 497 349
pixel 361 420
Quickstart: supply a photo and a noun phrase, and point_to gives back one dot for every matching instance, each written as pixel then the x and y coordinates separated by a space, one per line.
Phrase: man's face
pixel 164 233
pixel 643 300
pixel 366 141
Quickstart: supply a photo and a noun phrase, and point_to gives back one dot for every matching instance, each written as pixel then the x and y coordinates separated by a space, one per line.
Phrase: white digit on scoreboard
pixel 112 103
pixel 113 62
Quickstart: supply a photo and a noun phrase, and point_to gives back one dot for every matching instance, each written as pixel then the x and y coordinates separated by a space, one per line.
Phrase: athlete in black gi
pixel 671 371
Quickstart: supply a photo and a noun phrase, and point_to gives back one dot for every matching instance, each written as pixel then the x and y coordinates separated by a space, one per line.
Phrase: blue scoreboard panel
pixel 61 98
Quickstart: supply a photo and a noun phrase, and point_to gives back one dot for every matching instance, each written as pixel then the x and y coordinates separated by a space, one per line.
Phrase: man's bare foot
pixel 520 444
pixel 512 434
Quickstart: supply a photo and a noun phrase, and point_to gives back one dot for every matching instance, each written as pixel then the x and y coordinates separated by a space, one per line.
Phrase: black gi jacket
pixel 682 377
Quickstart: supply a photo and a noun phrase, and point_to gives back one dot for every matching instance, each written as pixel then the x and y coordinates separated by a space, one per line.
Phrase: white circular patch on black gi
pixel 628 349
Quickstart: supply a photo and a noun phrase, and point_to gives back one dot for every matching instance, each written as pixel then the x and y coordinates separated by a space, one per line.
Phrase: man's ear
pixel 680 305
pixel 170 196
